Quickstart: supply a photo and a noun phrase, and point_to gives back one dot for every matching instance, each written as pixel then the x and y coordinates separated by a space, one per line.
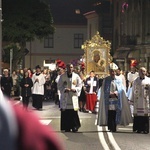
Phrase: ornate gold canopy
pixel 97 55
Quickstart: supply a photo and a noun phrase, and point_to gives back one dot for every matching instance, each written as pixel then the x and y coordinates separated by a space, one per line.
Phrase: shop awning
pixel 134 54
pixel 126 54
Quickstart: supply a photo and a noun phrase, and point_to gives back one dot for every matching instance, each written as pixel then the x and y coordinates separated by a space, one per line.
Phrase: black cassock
pixel 70 120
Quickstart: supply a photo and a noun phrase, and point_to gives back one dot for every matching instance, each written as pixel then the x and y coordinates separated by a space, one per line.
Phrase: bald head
pixel 142 72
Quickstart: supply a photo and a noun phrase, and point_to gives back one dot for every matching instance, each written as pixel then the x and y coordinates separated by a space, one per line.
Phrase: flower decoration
pixel 80 65
pixel 124 7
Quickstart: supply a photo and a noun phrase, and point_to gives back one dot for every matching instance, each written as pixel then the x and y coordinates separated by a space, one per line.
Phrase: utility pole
pixel 11 58
pixel 0 37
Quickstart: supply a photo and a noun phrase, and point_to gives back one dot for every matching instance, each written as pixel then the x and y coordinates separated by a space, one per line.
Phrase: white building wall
pixel 93 24
pixel 63 47
pixel 92 27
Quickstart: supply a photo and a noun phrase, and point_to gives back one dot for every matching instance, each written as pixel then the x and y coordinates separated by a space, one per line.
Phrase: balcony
pixel 128 40
pixel 134 40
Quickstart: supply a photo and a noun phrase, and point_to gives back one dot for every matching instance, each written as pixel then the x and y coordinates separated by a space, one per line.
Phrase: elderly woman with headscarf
pixel 6 83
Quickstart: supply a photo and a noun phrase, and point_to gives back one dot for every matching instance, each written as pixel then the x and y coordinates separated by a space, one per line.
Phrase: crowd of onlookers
pixel 11 82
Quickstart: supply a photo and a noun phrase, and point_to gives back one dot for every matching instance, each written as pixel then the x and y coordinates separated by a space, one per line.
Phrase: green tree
pixel 6 55
pixel 25 20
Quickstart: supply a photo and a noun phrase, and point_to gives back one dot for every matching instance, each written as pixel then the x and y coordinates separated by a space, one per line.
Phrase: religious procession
pixel 96 85
pixel 116 99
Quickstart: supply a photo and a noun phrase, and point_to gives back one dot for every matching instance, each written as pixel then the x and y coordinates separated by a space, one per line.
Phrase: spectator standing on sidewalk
pixel 26 84
pixel 61 70
pixel 15 83
pixel 30 72
pixel 53 83
pixel 70 85
pixel 6 83
pixel 38 80
pixel 20 74
pixel 47 84
pixel 82 97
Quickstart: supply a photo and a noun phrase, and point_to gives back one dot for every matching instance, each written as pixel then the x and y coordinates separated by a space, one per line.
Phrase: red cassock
pixel 91 101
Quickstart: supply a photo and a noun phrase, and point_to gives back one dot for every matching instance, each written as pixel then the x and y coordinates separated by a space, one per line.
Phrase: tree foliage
pixel 17 55
pixel 6 55
pixel 25 20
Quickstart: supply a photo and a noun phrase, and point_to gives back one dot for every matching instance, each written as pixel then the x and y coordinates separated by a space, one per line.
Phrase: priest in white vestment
pixel 141 102
pixel 38 80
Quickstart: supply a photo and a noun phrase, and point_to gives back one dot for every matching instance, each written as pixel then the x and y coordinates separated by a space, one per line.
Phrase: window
pixel 49 41
pixel 78 40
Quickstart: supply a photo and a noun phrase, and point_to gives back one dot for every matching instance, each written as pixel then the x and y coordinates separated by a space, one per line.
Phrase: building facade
pixel 70 34
pixel 64 44
pixel 126 24
pixel 131 33
pixel 75 22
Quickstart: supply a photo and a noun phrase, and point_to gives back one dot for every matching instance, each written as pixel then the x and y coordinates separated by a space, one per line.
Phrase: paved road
pixel 90 136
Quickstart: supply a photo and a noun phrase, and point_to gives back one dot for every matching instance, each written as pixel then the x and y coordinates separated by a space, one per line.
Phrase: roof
pixel 64 11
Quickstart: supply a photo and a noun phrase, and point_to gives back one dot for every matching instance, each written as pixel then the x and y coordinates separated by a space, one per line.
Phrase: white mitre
pixel 113 66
